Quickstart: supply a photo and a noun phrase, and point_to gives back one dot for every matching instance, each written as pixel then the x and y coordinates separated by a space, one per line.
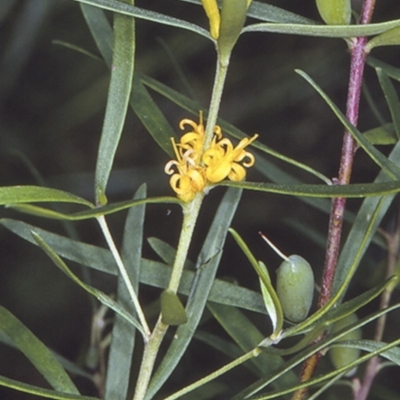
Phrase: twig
pixel 358 55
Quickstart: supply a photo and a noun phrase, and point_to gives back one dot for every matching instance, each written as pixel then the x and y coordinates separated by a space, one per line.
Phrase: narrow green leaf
pixel 332 31
pixel 100 29
pixel 165 251
pixel 388 38
pixel 34 194
pixel 151 273
pixel 307 352
pixel 393 72
pixel 382 135
pixel 391 99
pixel 391 169
pixel 117 101
pixel 37 353
pixel 353 190
pixel 37 391
pixel 356 240
pixel 322 318
pixel 123 334
pixel 103 298
pixel 276 312
pixel 152 118
pixel 207 264
pixel 140 13
pixel 267 12
pixel 247 336
pixel 77 49
pixel 392 355
pixel 93 212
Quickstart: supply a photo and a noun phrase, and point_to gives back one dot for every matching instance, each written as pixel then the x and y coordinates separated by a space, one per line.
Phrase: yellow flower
pixel 222 160
pixel 194 140
pixel 194 169
pixel 189 179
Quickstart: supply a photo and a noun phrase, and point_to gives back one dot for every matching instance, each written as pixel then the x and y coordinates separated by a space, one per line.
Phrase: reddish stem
pixel 357 64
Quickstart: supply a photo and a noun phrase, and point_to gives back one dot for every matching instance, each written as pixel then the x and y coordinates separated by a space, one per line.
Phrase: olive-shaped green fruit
pixel 341 356
pixel 295 287
pixel 335 12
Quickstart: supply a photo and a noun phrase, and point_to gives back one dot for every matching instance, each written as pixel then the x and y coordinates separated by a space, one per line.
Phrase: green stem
pixel 149 358
pixel 219 82
pixel 248 356
pixel 190 213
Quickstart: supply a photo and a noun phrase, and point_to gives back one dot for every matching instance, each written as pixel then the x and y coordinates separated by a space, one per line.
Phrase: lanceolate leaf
pixel 36 194
pixel 391 98
pixel 103 298
pixel 361 232
pixel 123 333
pixel 303 355
pixel 343 31
pixel 39 355
pixel 370 345
pixel 393 72
pixel 267 12
pixel 117 101
pixel 94 212
pixel 386 165
pixel 152 273
pixel 152 118
pixel 206 265
pixel 140 13
pixel 41 393
pixel 355 190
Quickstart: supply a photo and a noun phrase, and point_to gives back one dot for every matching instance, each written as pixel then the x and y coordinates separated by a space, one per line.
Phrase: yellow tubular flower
pixel 211 9
pixel 194 169
pixel 222 160
pixel 189 179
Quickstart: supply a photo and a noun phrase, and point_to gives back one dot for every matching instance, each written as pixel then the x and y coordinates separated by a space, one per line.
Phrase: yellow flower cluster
pixel 194 168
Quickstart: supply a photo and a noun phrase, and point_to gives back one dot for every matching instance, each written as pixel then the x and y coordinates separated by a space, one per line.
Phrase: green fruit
pixel 335 12
pixel 295 287
pixel 341 356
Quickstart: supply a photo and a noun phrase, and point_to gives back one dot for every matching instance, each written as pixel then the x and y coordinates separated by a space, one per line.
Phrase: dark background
pixel 52 102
